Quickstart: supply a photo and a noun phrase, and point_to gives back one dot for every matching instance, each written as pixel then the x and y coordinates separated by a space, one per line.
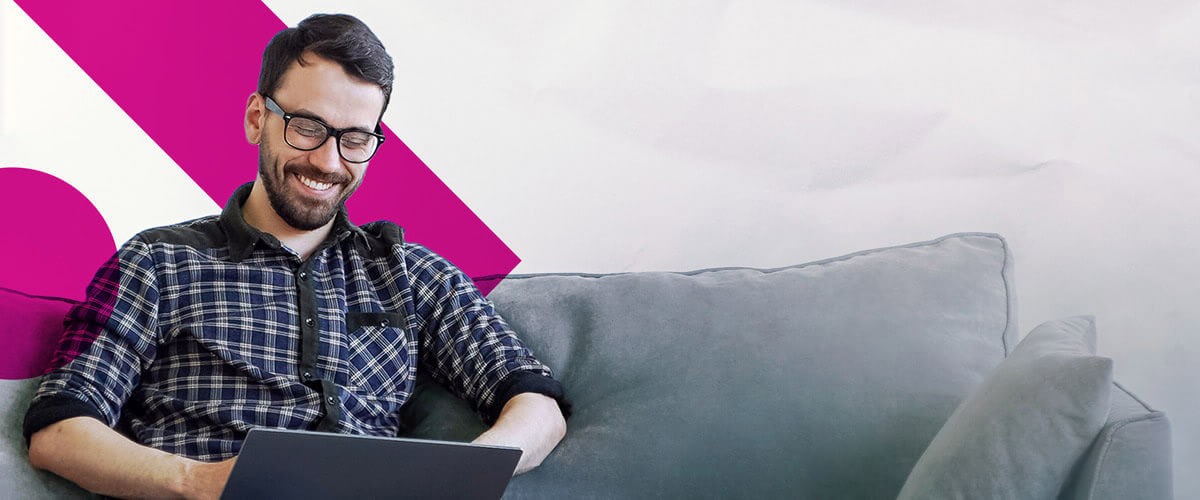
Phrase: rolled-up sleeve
pixel 465 345
pixel 109 339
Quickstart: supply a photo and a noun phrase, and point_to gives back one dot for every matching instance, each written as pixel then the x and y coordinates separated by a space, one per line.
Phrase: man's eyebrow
pixel 305 113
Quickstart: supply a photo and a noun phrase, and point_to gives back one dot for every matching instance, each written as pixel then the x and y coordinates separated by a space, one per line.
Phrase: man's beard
pixel 298 211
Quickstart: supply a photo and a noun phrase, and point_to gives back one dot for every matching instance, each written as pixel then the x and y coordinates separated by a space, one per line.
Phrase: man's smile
pixel 313 184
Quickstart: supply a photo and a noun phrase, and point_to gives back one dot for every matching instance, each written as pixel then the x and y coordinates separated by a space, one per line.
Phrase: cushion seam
pixel 1008 299
pixel 1108 434
pixel 830 260
pixel 42 297
pixel 1134 397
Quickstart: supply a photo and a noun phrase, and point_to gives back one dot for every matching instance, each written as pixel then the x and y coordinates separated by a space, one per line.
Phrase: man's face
pixel 307 188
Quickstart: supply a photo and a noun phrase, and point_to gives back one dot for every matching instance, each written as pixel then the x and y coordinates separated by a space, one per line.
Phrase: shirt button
pixel 309 321
pixel 383 324
pixel 307 375
pixel 332 400
pixel 303 275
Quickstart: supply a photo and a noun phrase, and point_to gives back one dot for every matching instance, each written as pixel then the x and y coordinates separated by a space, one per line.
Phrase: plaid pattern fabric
pixel 194 333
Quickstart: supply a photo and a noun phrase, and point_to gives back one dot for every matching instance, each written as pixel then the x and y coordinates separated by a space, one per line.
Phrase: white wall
pixel 614 136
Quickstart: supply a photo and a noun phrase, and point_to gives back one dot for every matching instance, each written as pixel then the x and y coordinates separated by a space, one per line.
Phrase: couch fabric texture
pixel 821 380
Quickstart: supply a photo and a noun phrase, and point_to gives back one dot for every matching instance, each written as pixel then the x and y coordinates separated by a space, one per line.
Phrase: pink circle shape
pixel 54 241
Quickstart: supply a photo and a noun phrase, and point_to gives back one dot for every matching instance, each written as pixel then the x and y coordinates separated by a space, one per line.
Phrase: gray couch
pixel 887 372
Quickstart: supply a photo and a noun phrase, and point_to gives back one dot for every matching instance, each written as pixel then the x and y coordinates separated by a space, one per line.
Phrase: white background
pixel 628 136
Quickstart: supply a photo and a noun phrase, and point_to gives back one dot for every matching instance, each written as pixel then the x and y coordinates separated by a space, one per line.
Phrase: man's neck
pixel 258 213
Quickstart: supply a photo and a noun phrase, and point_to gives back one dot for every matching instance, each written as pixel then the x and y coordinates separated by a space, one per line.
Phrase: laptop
pixel 277 463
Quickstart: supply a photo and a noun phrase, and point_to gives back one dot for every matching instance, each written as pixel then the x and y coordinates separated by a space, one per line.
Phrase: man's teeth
pixel 319 186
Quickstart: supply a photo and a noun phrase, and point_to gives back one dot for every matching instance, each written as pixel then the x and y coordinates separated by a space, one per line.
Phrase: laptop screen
pixel 275 463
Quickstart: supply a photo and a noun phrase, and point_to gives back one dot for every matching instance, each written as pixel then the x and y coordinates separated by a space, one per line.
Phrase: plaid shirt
pixel 194 333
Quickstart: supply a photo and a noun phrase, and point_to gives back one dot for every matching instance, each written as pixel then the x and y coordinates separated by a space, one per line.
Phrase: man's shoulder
pixel 202 233
pixel 383 232
pixel 417 256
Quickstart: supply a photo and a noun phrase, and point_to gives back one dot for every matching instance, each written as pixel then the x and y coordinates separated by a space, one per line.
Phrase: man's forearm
pixel 531 422
pixel 99 459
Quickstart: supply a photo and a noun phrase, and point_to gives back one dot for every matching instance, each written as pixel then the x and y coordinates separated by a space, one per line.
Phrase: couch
pixel 889 372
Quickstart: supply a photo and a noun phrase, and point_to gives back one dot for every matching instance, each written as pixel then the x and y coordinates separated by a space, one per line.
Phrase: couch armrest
pixel 1131 457
pixel 18 479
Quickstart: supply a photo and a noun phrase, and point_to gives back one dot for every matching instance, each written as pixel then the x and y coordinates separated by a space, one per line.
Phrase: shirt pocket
pixel 380 353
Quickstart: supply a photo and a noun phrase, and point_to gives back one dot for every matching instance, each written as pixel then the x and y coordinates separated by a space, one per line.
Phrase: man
pixel 279 312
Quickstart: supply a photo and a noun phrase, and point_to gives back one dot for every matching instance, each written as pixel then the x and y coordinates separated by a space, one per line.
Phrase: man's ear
pixel 255 118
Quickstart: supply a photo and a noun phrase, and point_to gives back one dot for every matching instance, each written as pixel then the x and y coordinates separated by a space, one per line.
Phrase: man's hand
pixel 531 422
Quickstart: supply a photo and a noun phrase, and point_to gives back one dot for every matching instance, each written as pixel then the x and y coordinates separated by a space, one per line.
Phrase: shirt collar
pixel 243 236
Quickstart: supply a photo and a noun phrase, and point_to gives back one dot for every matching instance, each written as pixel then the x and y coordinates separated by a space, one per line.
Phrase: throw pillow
pixel 1019 434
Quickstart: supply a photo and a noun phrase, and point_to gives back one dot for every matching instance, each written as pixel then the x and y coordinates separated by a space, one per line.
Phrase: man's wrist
pixel 205 479
pixel 180 483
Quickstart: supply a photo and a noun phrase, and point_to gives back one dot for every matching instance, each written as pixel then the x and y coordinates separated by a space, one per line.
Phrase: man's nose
pixel 326 157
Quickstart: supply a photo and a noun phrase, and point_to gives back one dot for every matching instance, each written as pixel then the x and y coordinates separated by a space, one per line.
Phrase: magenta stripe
pixel 181 67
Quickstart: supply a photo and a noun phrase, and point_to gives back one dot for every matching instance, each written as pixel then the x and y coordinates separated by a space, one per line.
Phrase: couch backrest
pixel 821 380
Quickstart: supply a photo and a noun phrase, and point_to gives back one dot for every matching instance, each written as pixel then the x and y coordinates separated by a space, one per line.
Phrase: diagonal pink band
pixel 183 71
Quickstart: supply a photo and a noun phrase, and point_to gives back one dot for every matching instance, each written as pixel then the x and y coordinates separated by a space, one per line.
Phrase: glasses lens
pixel 358 146
pixel 303 133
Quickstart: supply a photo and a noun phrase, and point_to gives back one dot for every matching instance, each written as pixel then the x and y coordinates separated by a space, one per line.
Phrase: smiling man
pixel 279 312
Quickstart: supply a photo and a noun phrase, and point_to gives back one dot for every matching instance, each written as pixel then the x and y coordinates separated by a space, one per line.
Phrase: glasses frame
pixel 273 107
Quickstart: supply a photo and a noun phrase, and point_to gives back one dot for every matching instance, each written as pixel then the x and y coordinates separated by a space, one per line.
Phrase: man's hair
pixel 338 37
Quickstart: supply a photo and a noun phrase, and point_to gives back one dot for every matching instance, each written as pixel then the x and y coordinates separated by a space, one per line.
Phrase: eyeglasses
pixel 307 134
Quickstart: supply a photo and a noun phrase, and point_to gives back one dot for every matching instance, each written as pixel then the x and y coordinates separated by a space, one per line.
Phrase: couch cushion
pixel 825 379
pixel 29 328
pixel 29 332
pixel 1023 429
